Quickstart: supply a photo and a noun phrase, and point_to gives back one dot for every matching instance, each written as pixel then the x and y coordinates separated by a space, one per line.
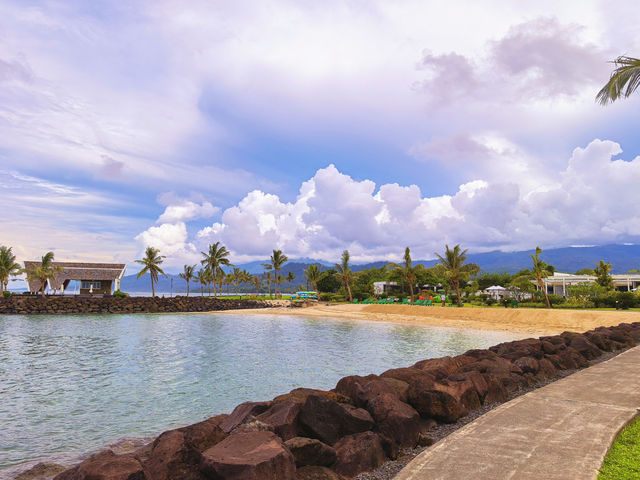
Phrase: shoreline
pixel 530 321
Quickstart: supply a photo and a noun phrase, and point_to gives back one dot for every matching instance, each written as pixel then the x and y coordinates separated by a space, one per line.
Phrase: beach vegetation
pixel 344 273
pixel 623 460
pixel 624 80
pixel 8 267
pixel 314 274
pixel 455 270
pixel 540 271
pixel 407 272
pixel 276 262
pixel 152 261
pixel 188 274
pixel 603 275
pixel 45 272
pixel 119 294
pixel 216 257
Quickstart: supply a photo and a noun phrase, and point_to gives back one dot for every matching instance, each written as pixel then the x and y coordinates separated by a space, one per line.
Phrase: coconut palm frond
pixel 624 80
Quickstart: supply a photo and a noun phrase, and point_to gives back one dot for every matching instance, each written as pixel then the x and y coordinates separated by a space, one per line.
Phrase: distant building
pixel 496 292
pixel 380 288
pixel 93 278
pixel 559 282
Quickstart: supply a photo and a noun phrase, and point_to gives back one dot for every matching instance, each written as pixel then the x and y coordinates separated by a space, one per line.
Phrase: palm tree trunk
pixel 153 290
pixel 411 290
pixel 349 290
pixel 544 290
pixel 458 293
pixel 187 287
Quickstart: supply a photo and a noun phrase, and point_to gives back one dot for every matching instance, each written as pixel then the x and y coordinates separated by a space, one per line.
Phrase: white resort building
pixel 559 282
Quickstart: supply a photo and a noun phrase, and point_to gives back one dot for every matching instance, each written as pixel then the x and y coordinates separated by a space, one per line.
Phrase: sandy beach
pixel 535 322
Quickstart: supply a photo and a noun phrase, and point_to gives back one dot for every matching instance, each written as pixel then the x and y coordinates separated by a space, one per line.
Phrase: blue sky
pixel 313 127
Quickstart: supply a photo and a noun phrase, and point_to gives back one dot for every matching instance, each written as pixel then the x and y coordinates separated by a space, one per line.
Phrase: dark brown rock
pixel 444 366
pixel 328 420
pixel 396 421
pixel 309 451
pixel 176 454
pixel 242 412
pixel 585 348
pixel 249 456
pixel 527 364
pixel 105 465
pixel 317 473
pixel 300 395
pixel 283 417
pixel 359 453
pixel 41 471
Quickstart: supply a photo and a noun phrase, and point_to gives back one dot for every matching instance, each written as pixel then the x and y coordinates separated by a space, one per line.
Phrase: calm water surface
pixel 72 384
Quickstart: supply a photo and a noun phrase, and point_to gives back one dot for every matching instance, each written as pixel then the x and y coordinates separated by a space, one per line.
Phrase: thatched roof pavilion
pixel 94 278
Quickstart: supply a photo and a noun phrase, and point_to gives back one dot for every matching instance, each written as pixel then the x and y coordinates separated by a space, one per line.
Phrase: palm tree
pixel 152 261
pixel 235 278
pixel 407 271
pixel 344 272
pixel 200 277
pixel 268 276
pixel 279 279
pixel 540 271
pixel 215 258
pixel 246 277
pixel 188 274
pixel 290 277
pixel 257 282
pixel 277 260
pixel 624 80
pixel 603 274
pixel 313 275
pixel 45 272
pixel 8 267
pixel 455 270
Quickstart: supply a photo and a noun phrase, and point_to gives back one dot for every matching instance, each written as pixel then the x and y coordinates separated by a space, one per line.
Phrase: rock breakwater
pixel 365 420
pixel 32 305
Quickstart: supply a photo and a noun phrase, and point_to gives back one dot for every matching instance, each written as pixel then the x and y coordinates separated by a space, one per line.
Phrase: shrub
pixel 556 299
pixel 490 301
pixel 119 294
pixel 6 294
pixel 331 297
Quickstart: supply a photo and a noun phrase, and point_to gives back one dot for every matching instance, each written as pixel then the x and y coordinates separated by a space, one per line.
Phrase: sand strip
pixel 531 321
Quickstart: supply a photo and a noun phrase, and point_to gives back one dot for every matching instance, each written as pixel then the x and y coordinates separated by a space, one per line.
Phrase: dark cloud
pixel 111 167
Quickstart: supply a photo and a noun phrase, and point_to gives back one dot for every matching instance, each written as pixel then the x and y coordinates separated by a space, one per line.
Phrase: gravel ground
pixel 389 469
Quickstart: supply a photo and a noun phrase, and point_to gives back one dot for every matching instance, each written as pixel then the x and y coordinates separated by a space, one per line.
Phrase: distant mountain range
pixel 569 259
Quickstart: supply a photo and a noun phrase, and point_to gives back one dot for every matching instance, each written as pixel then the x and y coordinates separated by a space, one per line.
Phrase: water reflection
pixel 69 384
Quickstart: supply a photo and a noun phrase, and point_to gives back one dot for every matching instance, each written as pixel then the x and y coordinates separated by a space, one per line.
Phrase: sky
pixel 313 127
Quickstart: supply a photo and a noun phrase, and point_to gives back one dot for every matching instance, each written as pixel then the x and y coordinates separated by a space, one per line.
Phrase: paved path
pixel 561 431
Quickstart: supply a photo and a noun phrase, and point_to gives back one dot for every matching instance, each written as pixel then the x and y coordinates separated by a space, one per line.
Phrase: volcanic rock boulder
pixel 176 454
pixel 328 420
pixel 309 451
pixel 105 465
pixel 283 417
pixel 249 456
pixel 359 453
pixel 242 413
pixel 584 347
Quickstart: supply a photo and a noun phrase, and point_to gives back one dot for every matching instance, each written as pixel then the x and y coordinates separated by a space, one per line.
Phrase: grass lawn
pixel 623 460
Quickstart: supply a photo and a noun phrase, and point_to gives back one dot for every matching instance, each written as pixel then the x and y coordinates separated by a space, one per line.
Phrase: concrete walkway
pixel 561 431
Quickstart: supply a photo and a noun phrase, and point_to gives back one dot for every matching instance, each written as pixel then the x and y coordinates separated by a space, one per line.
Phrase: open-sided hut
pixel 94 278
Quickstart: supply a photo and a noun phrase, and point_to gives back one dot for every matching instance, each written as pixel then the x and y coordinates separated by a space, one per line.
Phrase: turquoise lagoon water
pixel 69 385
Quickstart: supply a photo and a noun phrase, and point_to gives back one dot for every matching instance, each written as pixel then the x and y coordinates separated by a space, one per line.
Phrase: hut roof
pixel 78 271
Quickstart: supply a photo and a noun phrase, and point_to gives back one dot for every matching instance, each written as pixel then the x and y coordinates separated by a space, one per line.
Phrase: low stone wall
pixel 32 305
pixel 330 435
